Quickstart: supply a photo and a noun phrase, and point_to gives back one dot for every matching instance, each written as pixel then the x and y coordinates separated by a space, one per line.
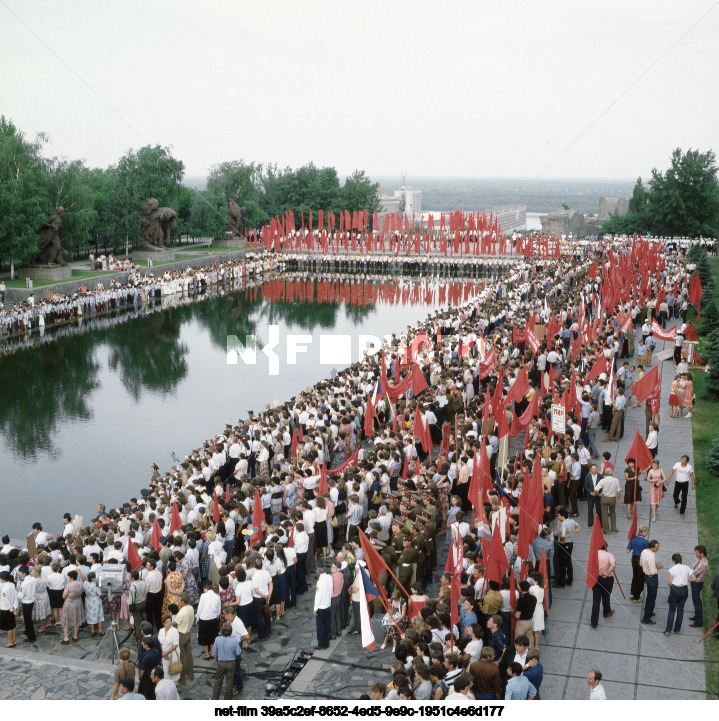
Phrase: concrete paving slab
pixel 614 666
pixel 607 637
pixel 689 675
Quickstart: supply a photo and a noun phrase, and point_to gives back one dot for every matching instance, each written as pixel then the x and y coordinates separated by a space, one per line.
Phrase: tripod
pixel 112 633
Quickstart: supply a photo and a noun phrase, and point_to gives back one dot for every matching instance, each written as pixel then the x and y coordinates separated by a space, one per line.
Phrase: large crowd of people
pixel 225 542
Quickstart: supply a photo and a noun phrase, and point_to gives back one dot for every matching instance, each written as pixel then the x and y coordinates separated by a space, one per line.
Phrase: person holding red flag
pixel 600 575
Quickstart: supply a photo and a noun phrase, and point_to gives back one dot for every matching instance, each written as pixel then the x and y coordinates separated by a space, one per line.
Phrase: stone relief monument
pixel 235 224
pixel 50 250
pixel 155 225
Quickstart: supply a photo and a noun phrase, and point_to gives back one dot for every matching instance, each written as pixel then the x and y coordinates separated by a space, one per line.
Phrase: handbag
pixel 334 523
pixel 341 507
pixel 175 666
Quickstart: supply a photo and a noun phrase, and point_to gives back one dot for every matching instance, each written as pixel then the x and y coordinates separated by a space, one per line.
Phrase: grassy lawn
pixel 76 275
pixel 705 426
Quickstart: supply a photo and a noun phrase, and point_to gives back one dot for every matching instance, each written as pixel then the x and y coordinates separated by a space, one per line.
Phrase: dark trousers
pixel 356 620
pixel 224 671
pixel 344 609
pixel 573 490
pixel 153 608
pixel 147 688
pixel 301 573
pixel 637 578
pixel 594 508
pixel 677 598
pixel 696 589
pixel 651 599
pixel 310 558
pixel 27 620
pixel 683 489
pixel 291 579
pixel 188 667
pixel 138 616
pixel 601 594
pixel 563 563
pixel 239 676
pixel 264 622
pixel 323 626
pixel 335 618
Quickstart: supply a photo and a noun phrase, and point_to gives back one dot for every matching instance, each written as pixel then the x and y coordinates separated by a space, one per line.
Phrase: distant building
pixel 412 199
pixel 388 203
pixel 511 218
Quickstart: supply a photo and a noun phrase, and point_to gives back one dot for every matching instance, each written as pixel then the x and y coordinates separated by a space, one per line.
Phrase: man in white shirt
pixel 685 473
pixel 608 489
pixel 323 601
pixel 261 593
pixel 26 597
pixel 679 577
pixel 301 543
pixel 597 692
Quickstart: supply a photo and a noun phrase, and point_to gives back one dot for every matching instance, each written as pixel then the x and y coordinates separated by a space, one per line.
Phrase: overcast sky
pixel 475 89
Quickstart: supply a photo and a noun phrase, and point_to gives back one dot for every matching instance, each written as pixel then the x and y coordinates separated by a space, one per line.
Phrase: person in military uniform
pixel 406 558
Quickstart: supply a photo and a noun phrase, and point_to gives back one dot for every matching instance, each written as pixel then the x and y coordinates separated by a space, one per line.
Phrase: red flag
pixel 640 453
pixel 324 488
pixel 215 508
pixel 133 556
pixel 156 535
pixel 369 418
pixel 258 519
pixel 643 388
pixel 175 520
pixel 695 290
pixel 293 452
pixel 519 387
pixel 543 571
pixel 497 565
pixel 597 369
pixel 227 492
pixel 633 527
pixel 593 271
pixel 594 547
pixel 375 566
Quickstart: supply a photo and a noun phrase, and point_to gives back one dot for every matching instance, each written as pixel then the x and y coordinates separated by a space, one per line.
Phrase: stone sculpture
pixel 155 224
pixel 235 224
pixel 50 250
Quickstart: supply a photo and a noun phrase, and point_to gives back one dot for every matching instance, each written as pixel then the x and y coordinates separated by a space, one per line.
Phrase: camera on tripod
pixel 112 578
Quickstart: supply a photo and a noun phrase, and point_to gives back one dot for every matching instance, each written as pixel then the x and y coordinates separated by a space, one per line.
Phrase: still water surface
pixel 82 418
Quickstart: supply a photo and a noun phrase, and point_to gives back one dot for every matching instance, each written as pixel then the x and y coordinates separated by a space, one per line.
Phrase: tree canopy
pixel 682 201
pixel 102 204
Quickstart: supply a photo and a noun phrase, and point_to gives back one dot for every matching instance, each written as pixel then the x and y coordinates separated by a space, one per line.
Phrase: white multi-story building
pixel 412 199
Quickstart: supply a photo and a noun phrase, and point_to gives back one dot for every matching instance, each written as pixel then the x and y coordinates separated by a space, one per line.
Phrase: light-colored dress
pixel 173 589
pixel 538 618
pixel 72 610
pixel 167 641
pixel 94 609
pixel 41 610
pixel 185 567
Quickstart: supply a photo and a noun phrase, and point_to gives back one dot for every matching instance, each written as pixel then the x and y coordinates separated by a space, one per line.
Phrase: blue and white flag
pixel 367 592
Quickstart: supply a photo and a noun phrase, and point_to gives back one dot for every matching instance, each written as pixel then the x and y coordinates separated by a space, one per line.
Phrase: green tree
pixel 24 201
pixel 640 198
pixel 359 193
pixel 241 182
pixel 208 215
pixel 150 172
pixel 307 188
pixel 709 350
pixel 685 199
pixel 184 210
pixel 71 185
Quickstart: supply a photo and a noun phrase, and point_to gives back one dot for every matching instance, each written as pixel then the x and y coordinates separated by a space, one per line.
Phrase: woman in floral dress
pixel 174 586
pixel 94 611
pixel 227 597
pixel 184 566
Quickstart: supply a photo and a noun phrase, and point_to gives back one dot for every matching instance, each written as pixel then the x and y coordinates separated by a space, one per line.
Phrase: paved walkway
pixel 637 662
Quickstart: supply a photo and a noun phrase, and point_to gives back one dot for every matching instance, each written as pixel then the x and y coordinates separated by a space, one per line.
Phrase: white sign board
pixel 558 419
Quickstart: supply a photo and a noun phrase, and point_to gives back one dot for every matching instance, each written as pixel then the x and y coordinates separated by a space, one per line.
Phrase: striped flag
pixel 367 592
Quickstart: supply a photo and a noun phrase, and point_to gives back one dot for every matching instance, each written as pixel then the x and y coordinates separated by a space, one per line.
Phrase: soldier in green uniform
pixel 406 558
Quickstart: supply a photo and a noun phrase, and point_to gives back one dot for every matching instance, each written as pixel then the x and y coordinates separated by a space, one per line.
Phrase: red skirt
pixel 673 399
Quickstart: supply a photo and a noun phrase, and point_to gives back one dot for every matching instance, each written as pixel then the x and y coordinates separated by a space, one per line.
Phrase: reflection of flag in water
pixel 367 592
